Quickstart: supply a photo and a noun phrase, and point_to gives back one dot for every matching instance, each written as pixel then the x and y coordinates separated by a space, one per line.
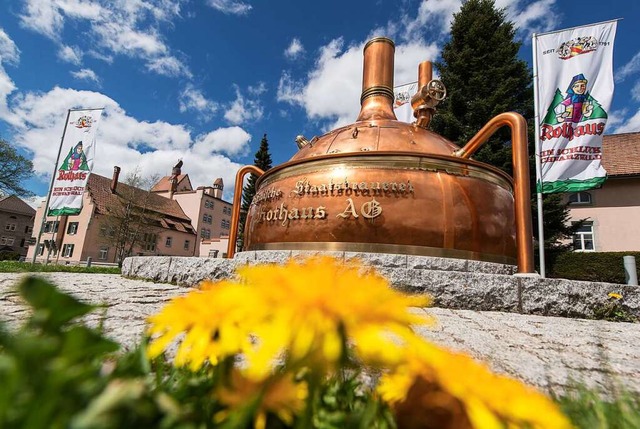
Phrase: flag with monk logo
pixel 78 148
pixel 575 88
pixel 402 101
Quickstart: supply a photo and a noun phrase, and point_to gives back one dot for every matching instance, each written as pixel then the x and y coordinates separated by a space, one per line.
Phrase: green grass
pixel 588 409
pixel 27 267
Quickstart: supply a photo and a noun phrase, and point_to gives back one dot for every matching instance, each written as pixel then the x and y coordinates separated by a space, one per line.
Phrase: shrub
pixel 592 266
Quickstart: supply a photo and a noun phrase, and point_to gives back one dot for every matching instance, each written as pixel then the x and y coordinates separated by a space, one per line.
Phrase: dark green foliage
pixel 27 267
pixel 592 266
pixel 14 169
pixel 262 160
pixel 9 256
pixel 484 77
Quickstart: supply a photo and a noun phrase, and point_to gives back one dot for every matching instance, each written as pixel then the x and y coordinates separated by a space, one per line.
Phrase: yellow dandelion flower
pixel 615 295
pixel 304 312
pixel 489 400
pixel 281 395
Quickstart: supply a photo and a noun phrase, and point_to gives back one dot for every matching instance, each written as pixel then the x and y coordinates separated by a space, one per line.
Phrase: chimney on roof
pixel 176 171
pixel 218 187
pixel 114 179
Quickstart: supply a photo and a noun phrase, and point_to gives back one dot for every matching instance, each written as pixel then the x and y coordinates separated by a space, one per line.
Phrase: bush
pixel 9 256
pixel 592 266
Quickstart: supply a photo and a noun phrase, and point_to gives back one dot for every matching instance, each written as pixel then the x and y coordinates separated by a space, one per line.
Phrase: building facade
pixel 610 212
pixel 16 221
pixel 210 215
pixel 116 220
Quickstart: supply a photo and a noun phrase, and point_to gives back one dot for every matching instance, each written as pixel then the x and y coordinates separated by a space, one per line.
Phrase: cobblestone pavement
pixel 551 353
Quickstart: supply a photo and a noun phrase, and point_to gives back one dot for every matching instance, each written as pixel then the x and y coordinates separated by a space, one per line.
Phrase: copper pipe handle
pixel 237 201
pixel 522 194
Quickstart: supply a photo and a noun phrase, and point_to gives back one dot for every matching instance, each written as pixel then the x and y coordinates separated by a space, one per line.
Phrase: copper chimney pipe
pixel 114 179
pixel 377 81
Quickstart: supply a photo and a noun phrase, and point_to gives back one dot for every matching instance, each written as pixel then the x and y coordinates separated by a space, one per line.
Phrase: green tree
pixel 262 160
pixel 14 169
pixel 484 77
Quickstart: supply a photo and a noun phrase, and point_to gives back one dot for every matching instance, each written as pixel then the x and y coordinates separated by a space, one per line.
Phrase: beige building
pixel 612 212
pixel 209 213
pixel 94 233
pixel 16 223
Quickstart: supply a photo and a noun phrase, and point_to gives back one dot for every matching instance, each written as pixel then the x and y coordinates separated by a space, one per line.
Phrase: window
pixel 225 224
pixel 10 227
pixel 226 210
pixel 104 252
pixel 51 226
pixel 583 238
pixel 206 233
pixel 40 250
pixel 67 250
pixel 186 244
pixel 3 240
pixel 580 198
pixel 207 218
pixel 168 241
pixel 149 240
pixel 28 229
pixel 208 204
pixel 10 241
pixel 72 228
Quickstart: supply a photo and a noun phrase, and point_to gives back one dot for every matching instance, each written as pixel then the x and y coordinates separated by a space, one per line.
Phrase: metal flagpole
pixel 53 178
pixel 537 156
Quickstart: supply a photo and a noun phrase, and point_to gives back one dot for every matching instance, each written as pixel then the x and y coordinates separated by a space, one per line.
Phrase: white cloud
pixel 9 52
pixel 434 13
pixel 232 141
pixel 130 28
pixel 37 120
pixel 169 66
pixel 332 90
pixel 243 109
pixel 70 54
pixel 191 98
pixel 633 66
pixel 532 17
pixel 231 7
pixel 86 74
pixel 630 125
pixel 258 89
pixel 44 17
pixel 294 50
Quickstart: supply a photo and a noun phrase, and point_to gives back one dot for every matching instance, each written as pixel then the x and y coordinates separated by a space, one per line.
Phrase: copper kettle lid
pixel 377 128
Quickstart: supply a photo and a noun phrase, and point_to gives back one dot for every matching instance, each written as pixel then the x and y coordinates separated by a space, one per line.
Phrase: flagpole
pixel 537 157
pixel 53 178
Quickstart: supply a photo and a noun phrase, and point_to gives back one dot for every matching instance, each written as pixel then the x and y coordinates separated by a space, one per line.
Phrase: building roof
pixel 173 217
pixel 13 204
pixel 164 185
pixel 619 154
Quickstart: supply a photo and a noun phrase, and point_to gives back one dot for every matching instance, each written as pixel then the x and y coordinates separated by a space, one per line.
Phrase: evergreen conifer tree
pixel 484 77
pixel 262 160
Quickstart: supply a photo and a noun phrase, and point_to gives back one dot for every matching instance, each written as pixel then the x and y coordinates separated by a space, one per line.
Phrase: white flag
pixel 575 88
pixel 78 149
pixel 402 101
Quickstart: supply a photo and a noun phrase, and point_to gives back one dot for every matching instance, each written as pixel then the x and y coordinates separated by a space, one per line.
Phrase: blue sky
pixel 203 80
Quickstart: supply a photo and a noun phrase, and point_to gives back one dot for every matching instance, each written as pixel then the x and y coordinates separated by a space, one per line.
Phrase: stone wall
pixel 452 283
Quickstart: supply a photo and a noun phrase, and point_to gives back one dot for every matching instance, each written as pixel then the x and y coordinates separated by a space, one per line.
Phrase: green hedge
pixel 592 266
pixel 27 267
